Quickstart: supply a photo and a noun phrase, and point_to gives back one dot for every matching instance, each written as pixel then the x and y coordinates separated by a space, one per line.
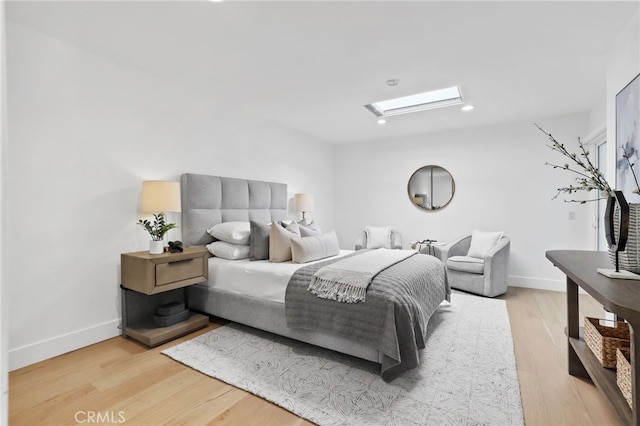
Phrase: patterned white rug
pixel 467 374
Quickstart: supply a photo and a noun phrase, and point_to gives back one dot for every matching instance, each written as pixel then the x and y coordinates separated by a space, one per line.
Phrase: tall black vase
pixel 616 245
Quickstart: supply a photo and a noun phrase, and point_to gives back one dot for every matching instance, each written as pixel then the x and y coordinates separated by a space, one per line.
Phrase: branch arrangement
pixel 588 177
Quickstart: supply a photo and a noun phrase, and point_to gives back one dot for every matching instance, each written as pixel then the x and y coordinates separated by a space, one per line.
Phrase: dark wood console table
pixel 621 297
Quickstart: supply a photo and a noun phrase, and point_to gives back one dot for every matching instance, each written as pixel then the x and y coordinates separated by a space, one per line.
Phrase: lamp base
pixel 621 275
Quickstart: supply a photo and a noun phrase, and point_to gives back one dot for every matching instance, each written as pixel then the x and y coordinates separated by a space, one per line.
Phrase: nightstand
pixel 432 248
pixel 151 280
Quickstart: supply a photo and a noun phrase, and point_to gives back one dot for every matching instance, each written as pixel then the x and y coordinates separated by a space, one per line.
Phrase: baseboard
pixel 537 283
pixel 49 348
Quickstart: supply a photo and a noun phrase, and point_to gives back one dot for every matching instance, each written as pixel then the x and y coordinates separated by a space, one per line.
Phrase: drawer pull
pixel 175 262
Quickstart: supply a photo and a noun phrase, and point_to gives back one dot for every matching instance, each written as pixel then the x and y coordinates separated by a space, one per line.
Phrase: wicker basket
pixel 604 339
pixel 623 373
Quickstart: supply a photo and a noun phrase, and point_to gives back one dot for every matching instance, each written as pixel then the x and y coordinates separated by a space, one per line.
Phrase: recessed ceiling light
pixel 381 121
pixel 419 102
pixel 468 107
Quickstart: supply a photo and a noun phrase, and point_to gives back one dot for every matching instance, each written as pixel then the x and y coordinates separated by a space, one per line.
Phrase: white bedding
pixel 258 278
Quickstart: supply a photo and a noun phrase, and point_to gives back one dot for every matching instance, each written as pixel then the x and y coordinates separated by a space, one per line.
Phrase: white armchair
pixel 396 240
pixel 486 275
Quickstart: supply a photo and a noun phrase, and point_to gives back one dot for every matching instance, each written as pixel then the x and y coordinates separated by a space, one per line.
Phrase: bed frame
pixel 209 200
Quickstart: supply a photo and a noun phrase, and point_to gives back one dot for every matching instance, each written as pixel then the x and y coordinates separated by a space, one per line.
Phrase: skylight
pixel 419 102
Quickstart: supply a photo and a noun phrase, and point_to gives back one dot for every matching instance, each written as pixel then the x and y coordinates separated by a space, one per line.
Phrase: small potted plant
pixel 156 229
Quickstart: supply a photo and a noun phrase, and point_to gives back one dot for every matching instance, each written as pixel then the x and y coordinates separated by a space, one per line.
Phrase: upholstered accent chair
pixel 481 269
pixel 395 238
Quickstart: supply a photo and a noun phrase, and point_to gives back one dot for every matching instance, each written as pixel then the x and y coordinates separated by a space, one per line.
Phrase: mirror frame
pixel 411 197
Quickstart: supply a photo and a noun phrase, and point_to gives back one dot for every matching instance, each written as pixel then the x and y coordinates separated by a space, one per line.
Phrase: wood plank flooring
pixel 120 381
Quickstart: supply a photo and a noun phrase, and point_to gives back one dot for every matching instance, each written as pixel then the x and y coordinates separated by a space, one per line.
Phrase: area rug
pixel 467 374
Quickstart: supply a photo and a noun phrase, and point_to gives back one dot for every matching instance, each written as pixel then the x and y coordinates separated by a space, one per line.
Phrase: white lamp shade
pixel 303 202
pixel 160 196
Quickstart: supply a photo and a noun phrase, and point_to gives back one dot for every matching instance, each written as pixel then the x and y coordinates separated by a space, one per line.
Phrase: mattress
pixel 256 278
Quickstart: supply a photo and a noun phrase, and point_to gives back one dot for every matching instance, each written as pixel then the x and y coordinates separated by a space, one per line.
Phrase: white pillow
pixel 306 249
pixel 378 237
pixel 231 232
pixel 229 251
pixel 482 242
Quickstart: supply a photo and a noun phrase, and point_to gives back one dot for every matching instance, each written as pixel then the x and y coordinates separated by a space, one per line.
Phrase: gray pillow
pixel 312 225
pixel 259 241
pixel 309 231
pixel 307 249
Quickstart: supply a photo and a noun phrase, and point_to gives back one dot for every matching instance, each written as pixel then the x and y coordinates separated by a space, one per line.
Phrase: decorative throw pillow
pixel 378 237
pixel 309 231
pixel 229 251
pixel 259 241
pixel 482 242
pixel 311 225
pixel 231 232
pixel 280 241
pixel 307 249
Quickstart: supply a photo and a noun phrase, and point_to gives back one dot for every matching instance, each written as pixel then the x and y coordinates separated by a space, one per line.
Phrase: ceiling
pixel 311 66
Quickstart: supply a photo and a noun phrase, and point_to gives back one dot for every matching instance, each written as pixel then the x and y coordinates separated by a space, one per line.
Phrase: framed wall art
pixel 628 139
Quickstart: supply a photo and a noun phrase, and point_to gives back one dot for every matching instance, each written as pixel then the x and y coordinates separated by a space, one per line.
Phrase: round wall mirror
pixel 431 188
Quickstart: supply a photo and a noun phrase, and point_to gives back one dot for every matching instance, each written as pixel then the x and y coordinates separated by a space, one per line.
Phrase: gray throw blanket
pixel 347 280
pixel 393 319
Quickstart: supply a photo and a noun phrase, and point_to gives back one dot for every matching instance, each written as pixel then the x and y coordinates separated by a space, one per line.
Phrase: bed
pixel 231 292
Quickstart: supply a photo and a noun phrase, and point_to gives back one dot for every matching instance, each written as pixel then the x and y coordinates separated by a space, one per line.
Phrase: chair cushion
pixel 377 237
pixel 469 264
pixel 482 242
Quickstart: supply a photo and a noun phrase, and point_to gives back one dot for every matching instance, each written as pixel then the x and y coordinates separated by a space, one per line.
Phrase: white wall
pixel 4 312
pixel 501 184
pixel 84 133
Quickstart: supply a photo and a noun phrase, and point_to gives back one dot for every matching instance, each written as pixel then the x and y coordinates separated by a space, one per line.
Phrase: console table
pixel 621 297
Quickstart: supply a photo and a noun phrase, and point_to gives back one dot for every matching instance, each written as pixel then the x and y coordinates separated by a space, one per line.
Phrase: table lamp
pixel 303 203
pixel 159 197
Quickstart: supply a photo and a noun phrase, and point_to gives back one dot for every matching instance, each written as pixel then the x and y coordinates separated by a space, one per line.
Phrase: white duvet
pixel 258 278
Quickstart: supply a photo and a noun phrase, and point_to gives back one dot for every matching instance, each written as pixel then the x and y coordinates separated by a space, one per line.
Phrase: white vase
pixel 630 257
pixel 156 247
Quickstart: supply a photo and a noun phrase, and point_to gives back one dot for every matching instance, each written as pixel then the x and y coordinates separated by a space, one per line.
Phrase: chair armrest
pixel 441 251
pixel 459 247
pixel 501 246
pixel 360 241
pixel 396 240
pixel 498 257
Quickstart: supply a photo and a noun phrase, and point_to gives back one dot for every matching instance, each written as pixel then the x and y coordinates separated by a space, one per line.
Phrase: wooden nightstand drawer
pixel 156 273
pixel 167 273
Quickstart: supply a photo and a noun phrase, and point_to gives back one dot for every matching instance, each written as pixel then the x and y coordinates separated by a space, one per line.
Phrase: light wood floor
pixel 119 381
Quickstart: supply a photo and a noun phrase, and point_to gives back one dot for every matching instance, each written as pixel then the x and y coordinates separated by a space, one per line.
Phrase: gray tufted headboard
pixel 209 200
